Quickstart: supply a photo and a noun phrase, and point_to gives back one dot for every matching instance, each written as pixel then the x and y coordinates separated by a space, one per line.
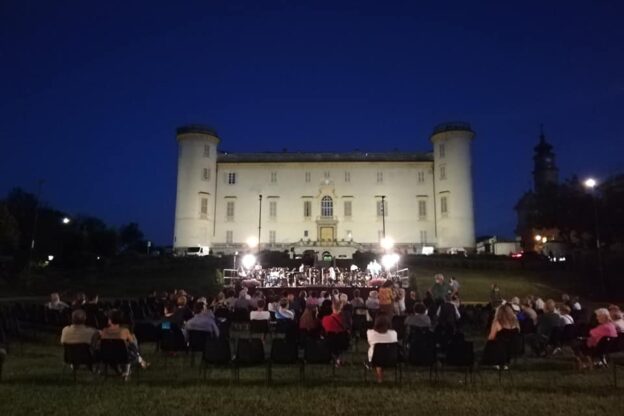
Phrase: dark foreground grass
pixel 33 385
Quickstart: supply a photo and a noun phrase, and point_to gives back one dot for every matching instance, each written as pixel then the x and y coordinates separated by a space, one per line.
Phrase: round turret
pixel 196 190
pixel 453 185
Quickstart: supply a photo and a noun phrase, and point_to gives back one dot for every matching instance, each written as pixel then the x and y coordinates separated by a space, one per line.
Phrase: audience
pixel 504 320
pixel 417 318
pixel 547 322
pixel 336 332
pixel 283 312
pixel 260 314
pixel 380 334
pixel 55 303
pixel 617 317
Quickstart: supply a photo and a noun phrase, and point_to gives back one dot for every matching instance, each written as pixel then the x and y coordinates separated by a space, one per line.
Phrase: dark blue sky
pixel 91 94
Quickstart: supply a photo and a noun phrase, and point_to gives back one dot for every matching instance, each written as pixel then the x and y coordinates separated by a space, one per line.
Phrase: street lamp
pixel 66 220
pixel 387 243
pixel 538 238
pixel 590 184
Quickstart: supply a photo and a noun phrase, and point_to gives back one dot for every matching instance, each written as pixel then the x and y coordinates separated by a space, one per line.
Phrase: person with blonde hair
pixel 586 350
pixel 617 317
pixel 504 319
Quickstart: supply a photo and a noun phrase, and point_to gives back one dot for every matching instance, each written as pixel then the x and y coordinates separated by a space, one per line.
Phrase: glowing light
pixel 66 220
pixel 387 243
pixel 538 238
pixel 590 183
pixel 50 257
pixel 388 261
pixel 544 239
pixel 248 261
pixel 252 242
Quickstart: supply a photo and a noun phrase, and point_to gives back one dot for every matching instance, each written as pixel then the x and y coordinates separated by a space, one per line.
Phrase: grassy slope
pixel 33 386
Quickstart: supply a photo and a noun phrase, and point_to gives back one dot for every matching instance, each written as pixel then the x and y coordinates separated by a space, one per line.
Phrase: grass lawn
pixel 32 384
pixel 476 284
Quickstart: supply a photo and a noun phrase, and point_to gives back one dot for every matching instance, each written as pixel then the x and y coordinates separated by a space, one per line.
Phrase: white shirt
pixel 619 326
pixel 567 319
pixel 375 337
pixel 259 315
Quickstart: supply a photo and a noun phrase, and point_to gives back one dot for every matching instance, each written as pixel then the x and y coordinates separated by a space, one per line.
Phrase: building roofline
pixel 282 157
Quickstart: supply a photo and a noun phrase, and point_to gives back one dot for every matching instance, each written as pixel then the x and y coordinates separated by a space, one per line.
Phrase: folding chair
pixel 76 355
pixel 387 355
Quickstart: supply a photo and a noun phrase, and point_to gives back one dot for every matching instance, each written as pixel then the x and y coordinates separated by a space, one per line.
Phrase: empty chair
pixel 249 353
pixel 422 352
pixel 316 351
pixel 460 354
pixel 259 326
pixel 172 340
pixel 216 353
pixel 284 352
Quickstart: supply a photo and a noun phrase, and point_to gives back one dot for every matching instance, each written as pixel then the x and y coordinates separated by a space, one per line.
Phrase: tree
pixel 131 236
pixel 9 230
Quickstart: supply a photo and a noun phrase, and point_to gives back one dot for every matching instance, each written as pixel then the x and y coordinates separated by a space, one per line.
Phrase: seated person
pixel 617 317
pixel 417 318
pixel 203 320
pixel 564 312
pixel 357 301
pixel 260 314
pixel 381 333
pixel 114 330
pixel 78 332
pixel 55 303
pixel 309 323
pixel 373 300
pixel 336 332
pixel 547 322
pixel 504 320
pixel 243 300
pixel 182 312
pixel 584 351
pixel 283 312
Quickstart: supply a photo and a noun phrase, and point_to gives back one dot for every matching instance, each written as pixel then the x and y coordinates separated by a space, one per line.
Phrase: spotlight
pixel 387 243
pixel 248 261
pixel 252 242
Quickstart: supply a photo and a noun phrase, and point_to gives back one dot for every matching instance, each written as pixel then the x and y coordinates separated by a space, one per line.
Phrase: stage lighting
pixel 252 242
pixel 248 261
pixel 387 243
pixel 389 260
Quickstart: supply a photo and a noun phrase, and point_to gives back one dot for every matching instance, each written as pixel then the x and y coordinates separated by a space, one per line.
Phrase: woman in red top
pixel 336 332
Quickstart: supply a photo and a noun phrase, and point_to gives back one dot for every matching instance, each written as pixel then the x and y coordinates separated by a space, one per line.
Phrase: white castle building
pixel 327 202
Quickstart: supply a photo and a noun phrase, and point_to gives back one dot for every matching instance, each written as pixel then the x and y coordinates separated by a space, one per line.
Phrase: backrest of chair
pixel 197 340
pixel 240 315
pixel 146 332
pixel 172 339
pixel 250 351
pixel 77 354
pixel 217 351
pixel 259 326
pixel 284 351
pixel 460 353
pixel 422 349
pixel 114 351
pixel 605 345
pixel 316 351
pixel 398 324
pixel 385 354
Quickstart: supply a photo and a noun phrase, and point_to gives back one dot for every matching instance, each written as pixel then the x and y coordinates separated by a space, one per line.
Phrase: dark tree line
pixel 80 242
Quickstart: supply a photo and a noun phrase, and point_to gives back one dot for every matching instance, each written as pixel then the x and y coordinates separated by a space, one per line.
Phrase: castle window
pixel 422 210
pixel 327 207
pixel 205 174
pixel 273 177
pixel 326 174
pixel 379 177
pixel 423 237
pixel 442 150
pixel 442 172
pixel 307 209
pixel 305 233
pixel 307 176
pixel 206 150
pixel 347 176
pixel 229 211
pixel 273 209
pixel 203 208
pixel 272 237
pixel 231 178
pixel 229 237
pixel 421 177
pixel 444 206
pixel 347 209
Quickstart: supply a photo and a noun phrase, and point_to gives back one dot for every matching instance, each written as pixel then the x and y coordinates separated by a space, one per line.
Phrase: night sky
pixel 91 92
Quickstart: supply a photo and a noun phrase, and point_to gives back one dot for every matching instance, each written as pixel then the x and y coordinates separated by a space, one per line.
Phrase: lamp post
pixel 259 218
pixel 34 229
pixel 590 184
pixel 383 214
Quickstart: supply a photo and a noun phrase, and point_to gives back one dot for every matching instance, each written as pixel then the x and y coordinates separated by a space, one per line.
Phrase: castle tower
pixel 452 163
pixel 545 172
pixel 196 191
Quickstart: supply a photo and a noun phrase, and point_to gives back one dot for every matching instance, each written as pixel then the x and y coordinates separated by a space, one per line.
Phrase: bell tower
pixel 545 171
